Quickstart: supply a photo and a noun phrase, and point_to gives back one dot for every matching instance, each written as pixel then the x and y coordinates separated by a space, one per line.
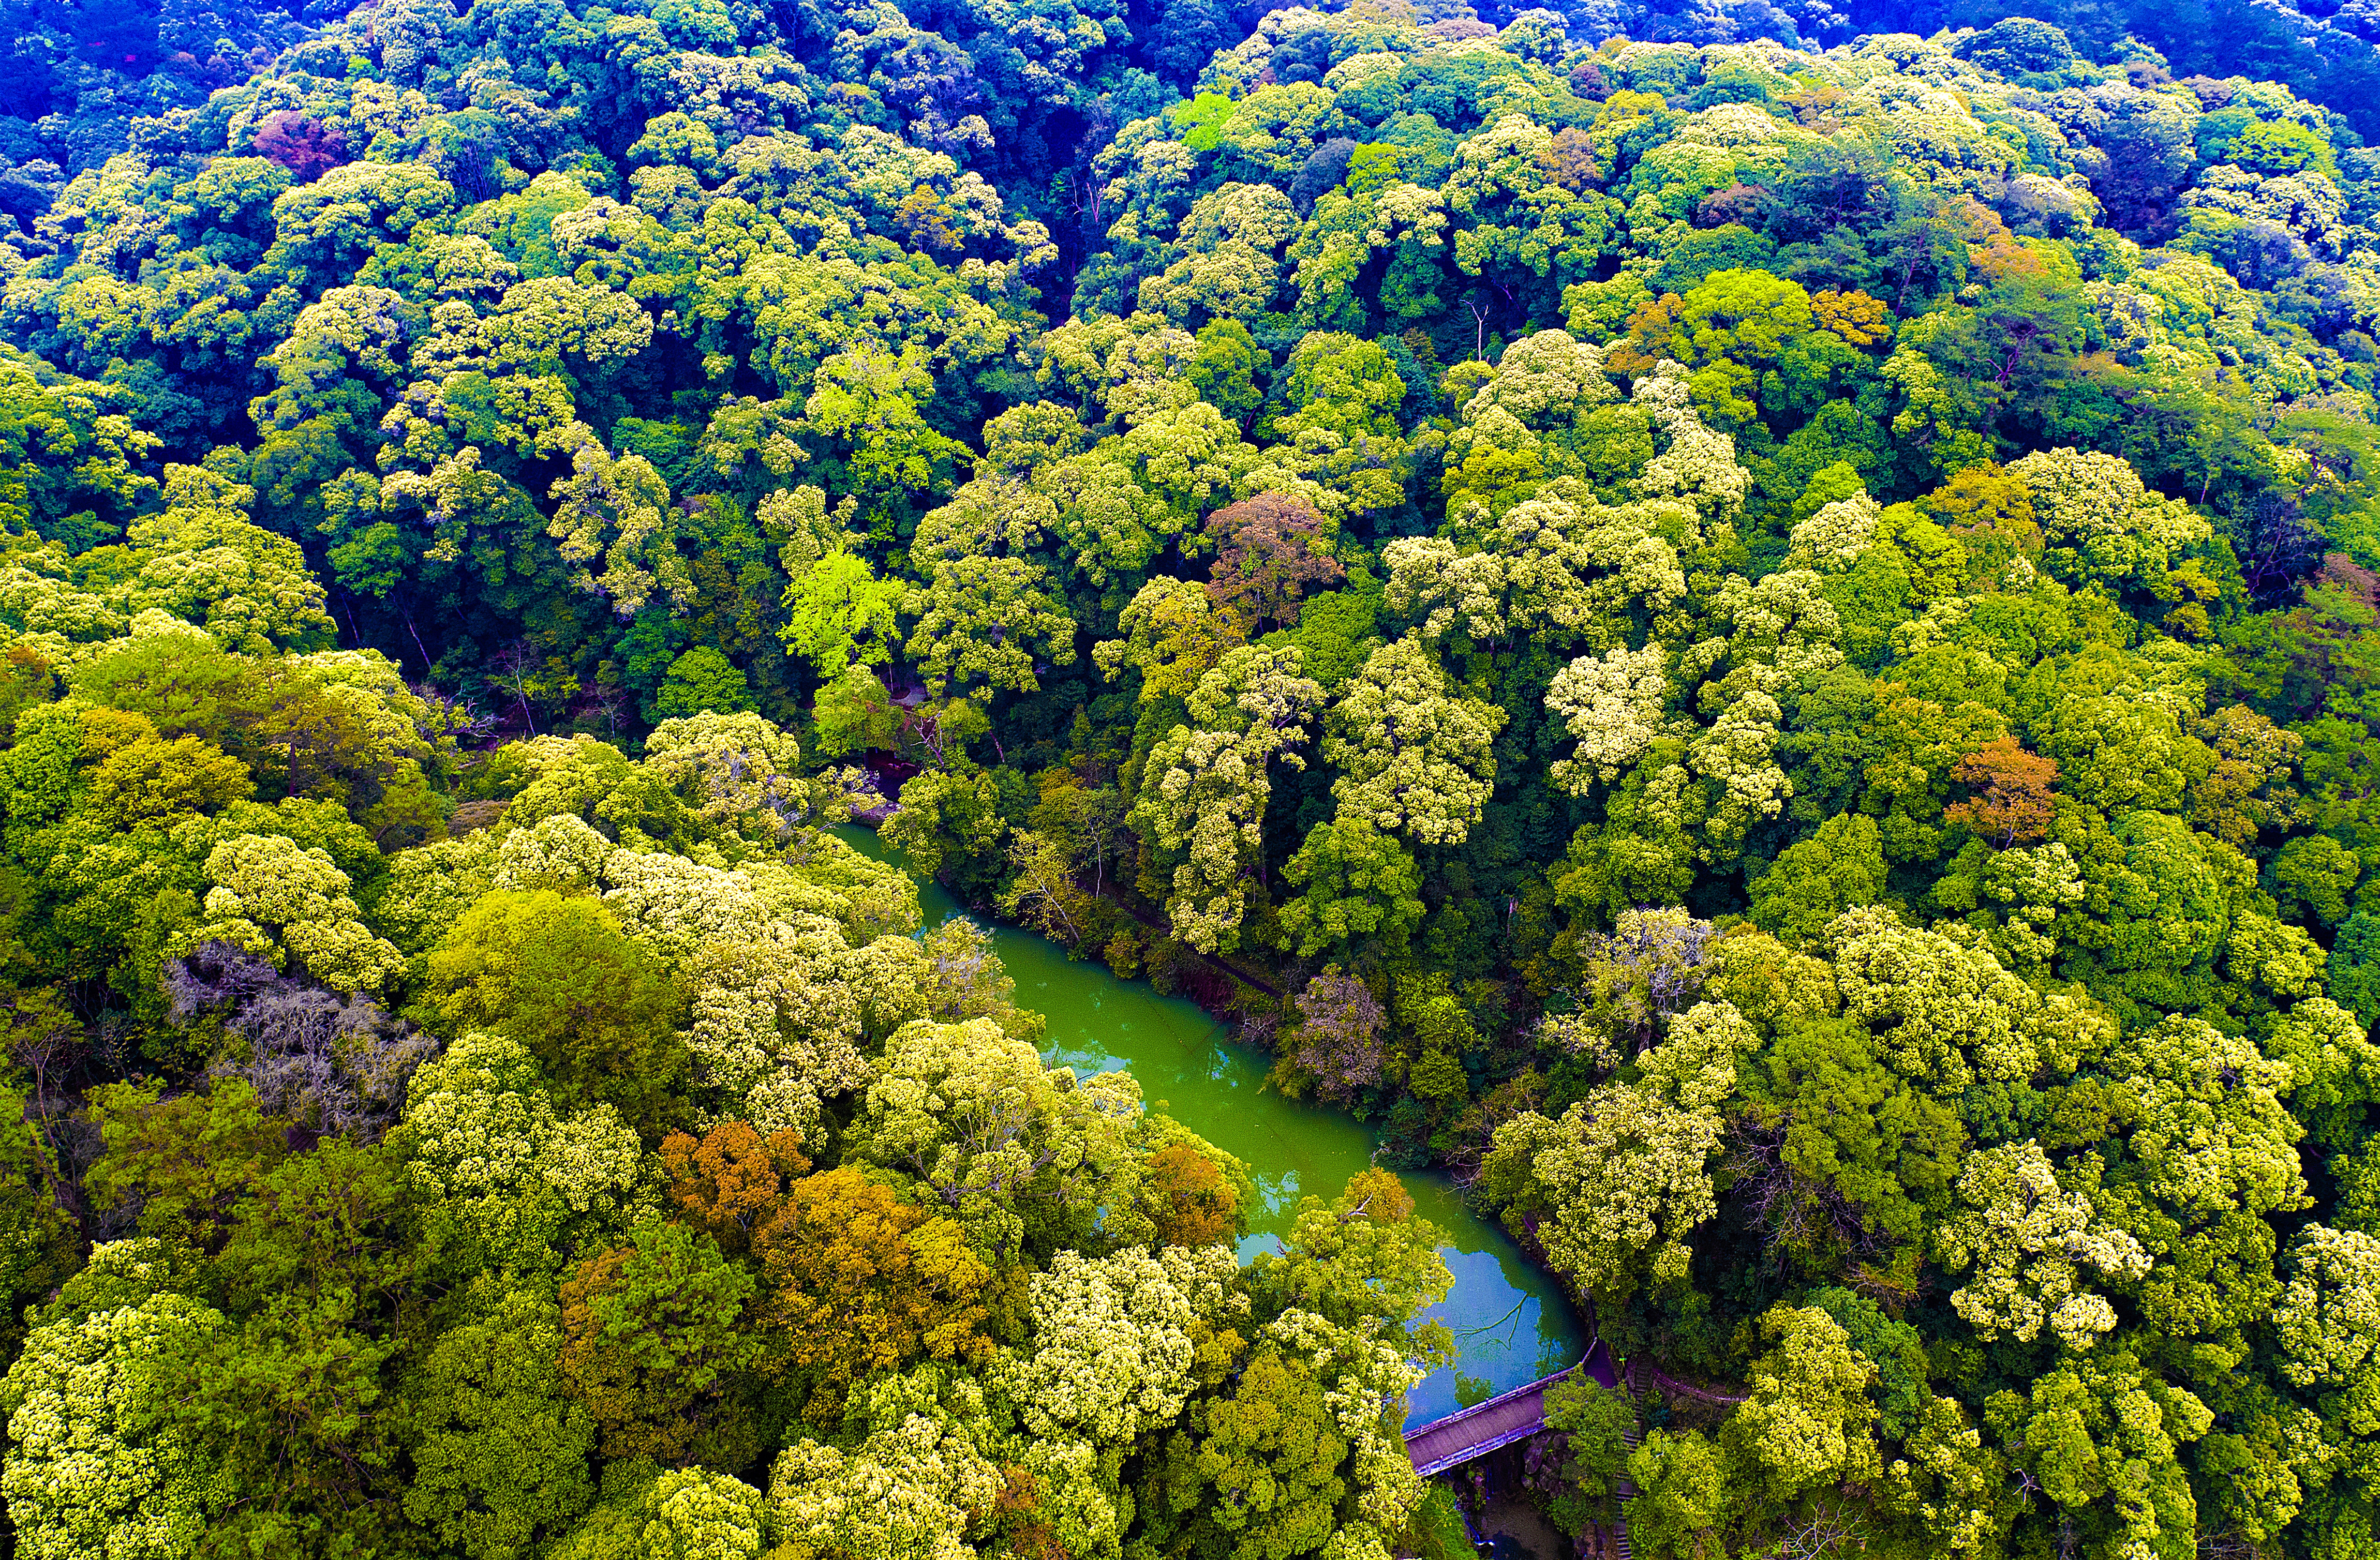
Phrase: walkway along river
pixel 1511 1323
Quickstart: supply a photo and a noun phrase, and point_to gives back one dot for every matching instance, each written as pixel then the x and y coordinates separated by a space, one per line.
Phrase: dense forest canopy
pixel 1748 625
pixel 82 79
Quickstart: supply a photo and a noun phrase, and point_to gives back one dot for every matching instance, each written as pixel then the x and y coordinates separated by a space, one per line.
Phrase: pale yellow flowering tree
pixel 1205 788
pixel 1621 1181
pixel 1414 755
pixel 272 897
pixel 505 1177
pixel 2029 1241
pixel 90 1473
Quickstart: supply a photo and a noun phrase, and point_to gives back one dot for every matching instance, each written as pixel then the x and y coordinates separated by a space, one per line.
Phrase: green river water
pixel 1511 1321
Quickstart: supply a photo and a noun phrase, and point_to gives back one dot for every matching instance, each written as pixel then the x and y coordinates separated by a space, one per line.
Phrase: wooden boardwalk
pixel 1502 1420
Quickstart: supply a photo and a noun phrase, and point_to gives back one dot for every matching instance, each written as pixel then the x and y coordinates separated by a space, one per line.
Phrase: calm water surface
pixel 1510 1320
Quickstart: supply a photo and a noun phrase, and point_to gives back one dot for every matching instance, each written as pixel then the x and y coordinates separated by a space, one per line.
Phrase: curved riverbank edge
pixel 1513 1322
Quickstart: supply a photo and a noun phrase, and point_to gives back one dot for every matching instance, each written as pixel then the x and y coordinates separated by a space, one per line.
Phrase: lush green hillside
pixel 1773 649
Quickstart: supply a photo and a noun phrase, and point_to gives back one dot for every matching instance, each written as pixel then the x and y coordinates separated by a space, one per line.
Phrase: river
pixel 1510 1319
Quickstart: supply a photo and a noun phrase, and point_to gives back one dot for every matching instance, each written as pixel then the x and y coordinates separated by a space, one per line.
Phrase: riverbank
pixel 1511 1320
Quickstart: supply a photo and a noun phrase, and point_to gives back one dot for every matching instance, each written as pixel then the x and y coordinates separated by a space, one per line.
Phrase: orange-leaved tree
pixel 2013 792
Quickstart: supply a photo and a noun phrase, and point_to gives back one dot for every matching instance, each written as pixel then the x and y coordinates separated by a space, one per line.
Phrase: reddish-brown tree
pixel 1270 550
pixel 1338 1043
pixel 729 1180
pixel 2014 792
pixel 300 144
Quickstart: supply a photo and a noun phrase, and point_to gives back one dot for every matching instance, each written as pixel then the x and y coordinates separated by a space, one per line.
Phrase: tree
pixel 274 898
pixel 738 774
pixel 1683 1506
pixel 202 560
pixel 1614 1189
pixel 984 625
pixel 865 407
pixel 680 1514
pixel 1946 1014
pixel 1816 879
pixel 2328 1344
pixel 1187 1198
pixel 1173 635
pixel 911 1487
pixel 947 824
pixel 298 143
pixel 861 1283
pixel 38 1239
pixel 344 357
pixel 653 1345
pixel 2101 522
pixel 1223 370
pixel 1613 706
pixel 854 714
pixel 1750 344
pixel 556 974
pixel 1847 1159
pixel 1595 1423
pixel 2029 1241
pixel 729 1179
pixel 2333 1068
pixel 617 510
pixel 1362 889
pixel 1188 33
pixel 1042 893
pixel 700 682
pixel 180 1163
pixel 500 1177
pixel 2014 798
pixel 2210 1156
pixel 779 1012
pixel 1362 1261
pixel 500 1448
pixel 1337 1047
pixel 1413 756
pixel 1207 784
pixel 1271 552
pixel 94 1466
pixel 1805 1424
pixel 840 613
pixel 1021 1160
pixel 1297 1458
pixel 150 780
pixel 2086 1424
pixel 2314 874
pixel 1115 1340
pixel 1256 1474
